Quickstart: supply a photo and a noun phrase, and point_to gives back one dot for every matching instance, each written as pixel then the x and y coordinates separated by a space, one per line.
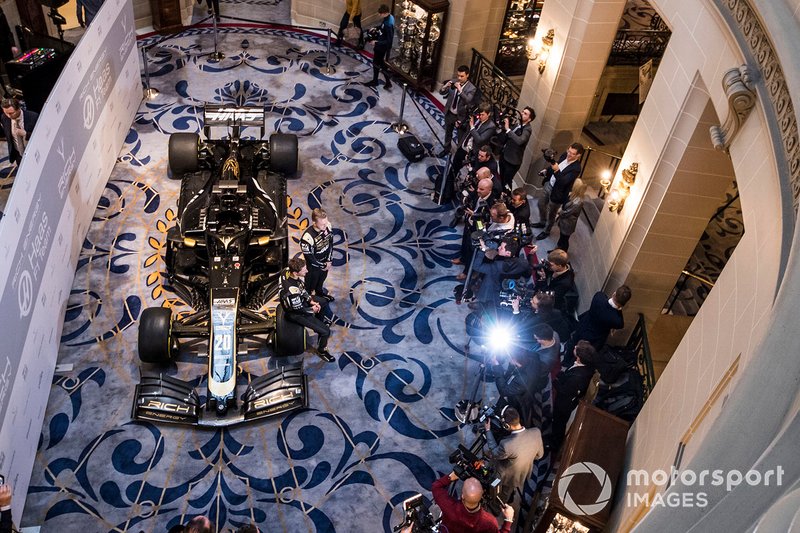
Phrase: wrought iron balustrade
pixel 638 342
pixel 495 87
pixel 636 47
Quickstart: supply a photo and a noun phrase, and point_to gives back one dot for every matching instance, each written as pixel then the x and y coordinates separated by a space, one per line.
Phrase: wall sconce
pixel 542 53
pixel 605 183
pixel 620 193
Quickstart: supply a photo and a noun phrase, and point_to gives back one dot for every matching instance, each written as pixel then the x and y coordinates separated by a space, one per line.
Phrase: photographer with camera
pixel 558 179
pixel 383 35
pixel 479 133
pixel 466 515
pixel 556 275
pixel 497 265
pixel 515 384
pixel 542 311
pixel 514 147
pixel 513 456
pixel 461 94
pixel 475 209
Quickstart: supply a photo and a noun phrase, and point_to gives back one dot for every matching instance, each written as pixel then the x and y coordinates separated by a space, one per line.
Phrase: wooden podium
pixel 591 462
pixel 166 15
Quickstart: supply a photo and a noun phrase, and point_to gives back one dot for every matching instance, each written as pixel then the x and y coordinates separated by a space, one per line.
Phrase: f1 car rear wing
pixel 228 116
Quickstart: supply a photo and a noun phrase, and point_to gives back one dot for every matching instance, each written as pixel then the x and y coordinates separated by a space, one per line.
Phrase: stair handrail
pixel 638 341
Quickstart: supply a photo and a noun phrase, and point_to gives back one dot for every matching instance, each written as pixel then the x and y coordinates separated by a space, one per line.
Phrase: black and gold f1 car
pixel 224 257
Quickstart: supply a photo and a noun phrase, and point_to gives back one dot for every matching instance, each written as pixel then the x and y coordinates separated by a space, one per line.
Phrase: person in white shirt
pixel 17 125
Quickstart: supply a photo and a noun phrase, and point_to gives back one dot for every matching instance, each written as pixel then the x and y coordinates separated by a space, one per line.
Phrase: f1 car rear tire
pixel 155 335
pixel 290 337
pixel 283 153
pixel 183 156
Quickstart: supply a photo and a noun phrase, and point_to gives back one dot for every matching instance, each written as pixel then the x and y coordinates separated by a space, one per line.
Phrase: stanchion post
pixel 400 126
pixel 328 54
pixel 149 92
pixel 444 178
pixel 216 56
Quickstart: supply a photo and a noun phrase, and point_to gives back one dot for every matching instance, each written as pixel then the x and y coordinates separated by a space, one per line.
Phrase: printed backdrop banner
pixel 66 165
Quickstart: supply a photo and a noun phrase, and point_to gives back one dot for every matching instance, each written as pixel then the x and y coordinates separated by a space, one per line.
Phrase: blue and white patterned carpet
pixel 380 424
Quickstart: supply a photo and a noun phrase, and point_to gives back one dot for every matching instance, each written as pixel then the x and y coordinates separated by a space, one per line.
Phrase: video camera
pixel 549 155
pixel 373 34
pixel 509 112
pixel 418 516
pixel 513 289
pixel 467 463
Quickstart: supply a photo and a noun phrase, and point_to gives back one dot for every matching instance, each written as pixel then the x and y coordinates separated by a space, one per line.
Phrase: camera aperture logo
pixel 582 508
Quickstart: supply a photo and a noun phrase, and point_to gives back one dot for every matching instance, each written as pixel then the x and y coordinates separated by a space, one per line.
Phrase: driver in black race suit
pixel 301 308
pixel 317 247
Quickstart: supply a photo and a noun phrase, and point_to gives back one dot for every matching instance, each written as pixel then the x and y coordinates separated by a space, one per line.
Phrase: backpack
pixel 624 398
pixel 612 361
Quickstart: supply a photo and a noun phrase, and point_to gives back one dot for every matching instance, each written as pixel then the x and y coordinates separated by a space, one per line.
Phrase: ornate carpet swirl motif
pixel 380 425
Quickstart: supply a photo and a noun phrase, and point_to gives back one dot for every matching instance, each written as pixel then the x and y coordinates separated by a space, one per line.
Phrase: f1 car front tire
pixel 283 154
pixel 183 156
pixel 290 337
pixel 155 335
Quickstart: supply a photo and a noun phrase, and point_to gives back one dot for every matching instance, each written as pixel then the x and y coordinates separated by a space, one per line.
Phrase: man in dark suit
pixel 569 387
pixel 558 180
pixel 17 125
pixel 477 205
pixel 514 455
pixel 514 147
pixel 603 315
pixel 461 94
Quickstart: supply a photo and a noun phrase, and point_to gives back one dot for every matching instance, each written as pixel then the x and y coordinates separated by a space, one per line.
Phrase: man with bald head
pixel 476 213
pixel 467 515
pixel 486 173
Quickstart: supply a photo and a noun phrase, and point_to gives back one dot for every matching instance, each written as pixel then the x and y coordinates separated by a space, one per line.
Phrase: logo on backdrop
pixel 95 92
pixel 25 293
pixel 590 508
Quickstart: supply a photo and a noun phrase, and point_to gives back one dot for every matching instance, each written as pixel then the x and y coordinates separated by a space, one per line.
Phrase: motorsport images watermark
pixel 730 479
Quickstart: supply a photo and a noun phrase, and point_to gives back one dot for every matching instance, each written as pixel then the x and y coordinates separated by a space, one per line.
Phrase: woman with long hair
pixel 569 214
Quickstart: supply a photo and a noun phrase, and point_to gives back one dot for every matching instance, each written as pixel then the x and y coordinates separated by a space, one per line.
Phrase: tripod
pixel 469 408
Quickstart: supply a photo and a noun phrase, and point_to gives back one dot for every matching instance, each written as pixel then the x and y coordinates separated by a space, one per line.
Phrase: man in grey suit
pixel 481 129
pixel 461 94
pixel 514 147
pixel 514 456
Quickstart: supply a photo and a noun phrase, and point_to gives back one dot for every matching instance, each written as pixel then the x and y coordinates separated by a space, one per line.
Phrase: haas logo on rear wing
pixel 217 115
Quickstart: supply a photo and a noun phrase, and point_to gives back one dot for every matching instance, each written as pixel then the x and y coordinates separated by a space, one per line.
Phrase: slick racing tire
pixel 155 335
pixel 290 337
pixel 183 154
pixel 283 154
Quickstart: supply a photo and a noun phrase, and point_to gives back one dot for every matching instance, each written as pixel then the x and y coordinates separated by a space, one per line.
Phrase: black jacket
pixel 570 386
pixel 516 140
pixel 558 285
pixel 317 247
pixel 295 297
pixel 595 324
pixel 564 179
